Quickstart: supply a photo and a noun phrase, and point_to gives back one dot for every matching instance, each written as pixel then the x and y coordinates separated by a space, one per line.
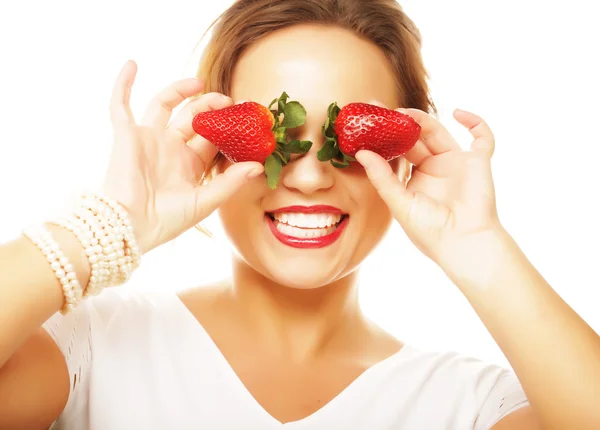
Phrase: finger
pixel 418 153
pixel 120 110
pixel 484 142
pixel 205 150
pixel 387 183
pixel 180 129
pixel 434 136
pixel 159 110
pixel 209 197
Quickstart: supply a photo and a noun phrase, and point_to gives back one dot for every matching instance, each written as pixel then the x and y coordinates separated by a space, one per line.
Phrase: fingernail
pixel 255 172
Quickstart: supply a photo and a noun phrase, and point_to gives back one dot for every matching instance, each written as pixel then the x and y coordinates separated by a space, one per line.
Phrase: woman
pixel 285 342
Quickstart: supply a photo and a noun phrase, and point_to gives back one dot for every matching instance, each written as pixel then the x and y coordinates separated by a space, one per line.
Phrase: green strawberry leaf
pixel 294 115
pixel 281 156
pixel 328 151
pixel 273 166
pixel 334 111
pixel 341 165
pixel 282 102
pixel 326 125
pixel 297 146
pixel 281 135
pixel 344 162
pixel 349 158
pixel 271 105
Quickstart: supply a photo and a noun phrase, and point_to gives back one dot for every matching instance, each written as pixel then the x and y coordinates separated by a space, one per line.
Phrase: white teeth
pixel 304 233
pixel 312 221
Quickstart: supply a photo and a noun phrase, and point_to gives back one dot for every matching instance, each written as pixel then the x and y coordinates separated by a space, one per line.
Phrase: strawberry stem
pixel 294 115
pixel 331 150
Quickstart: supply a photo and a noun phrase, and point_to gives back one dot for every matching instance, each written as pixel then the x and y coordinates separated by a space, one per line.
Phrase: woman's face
pixel 321 222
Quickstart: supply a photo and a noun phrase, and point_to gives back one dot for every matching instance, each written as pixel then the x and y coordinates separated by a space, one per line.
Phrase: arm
pixel 34 382
pixel 448 210
pixel 29 291
pixel 554 353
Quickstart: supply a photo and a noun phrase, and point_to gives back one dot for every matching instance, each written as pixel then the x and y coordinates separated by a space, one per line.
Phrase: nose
pixel 307 174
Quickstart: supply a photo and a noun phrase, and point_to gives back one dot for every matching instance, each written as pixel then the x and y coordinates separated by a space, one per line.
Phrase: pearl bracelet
pixel 103 229
pixel 59 263
pixel 87 235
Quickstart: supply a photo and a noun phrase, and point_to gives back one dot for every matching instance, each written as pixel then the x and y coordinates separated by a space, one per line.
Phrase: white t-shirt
pixel 142 361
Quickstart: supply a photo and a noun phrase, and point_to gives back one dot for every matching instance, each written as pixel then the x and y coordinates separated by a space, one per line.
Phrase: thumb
pixel 387 184
pixel 209 197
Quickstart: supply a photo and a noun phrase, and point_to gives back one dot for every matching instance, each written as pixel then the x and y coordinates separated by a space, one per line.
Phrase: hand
pixel 156 167
pixel 449 201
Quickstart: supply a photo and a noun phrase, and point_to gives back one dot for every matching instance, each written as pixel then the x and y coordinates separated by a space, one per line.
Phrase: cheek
pixel 241 212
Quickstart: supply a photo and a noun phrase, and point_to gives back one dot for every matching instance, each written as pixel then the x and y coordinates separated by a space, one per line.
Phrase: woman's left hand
pixel 449 203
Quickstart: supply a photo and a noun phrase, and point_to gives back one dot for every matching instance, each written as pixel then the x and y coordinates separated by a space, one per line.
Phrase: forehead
pixel 315 65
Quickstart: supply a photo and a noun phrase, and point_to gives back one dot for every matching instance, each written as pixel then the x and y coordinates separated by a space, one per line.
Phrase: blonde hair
pixel 382 22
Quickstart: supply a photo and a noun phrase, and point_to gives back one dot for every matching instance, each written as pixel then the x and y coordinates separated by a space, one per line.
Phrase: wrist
pixel 74 251
pixel 477 260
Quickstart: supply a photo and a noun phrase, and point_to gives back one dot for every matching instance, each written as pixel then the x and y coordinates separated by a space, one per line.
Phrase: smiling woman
pixel 284 342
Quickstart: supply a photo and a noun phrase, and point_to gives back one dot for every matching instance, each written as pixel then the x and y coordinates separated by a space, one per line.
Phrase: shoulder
pixel 117 312
pixel 126 304
pixel 464 387
pixel 449 370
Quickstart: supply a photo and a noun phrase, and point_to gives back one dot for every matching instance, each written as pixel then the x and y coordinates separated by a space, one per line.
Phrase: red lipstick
pixel 310 209
pixel 308 242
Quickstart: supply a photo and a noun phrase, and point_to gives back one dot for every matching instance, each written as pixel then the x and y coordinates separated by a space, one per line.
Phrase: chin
pixel 302 278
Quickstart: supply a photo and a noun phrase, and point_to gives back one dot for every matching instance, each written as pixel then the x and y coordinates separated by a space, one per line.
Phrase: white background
pixel 530 68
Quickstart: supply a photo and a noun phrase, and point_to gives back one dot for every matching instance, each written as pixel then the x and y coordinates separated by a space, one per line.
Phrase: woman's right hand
pixel 156 166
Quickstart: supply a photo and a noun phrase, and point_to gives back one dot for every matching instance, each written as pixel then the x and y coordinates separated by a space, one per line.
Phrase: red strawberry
pixel 252 132
pixel 363 126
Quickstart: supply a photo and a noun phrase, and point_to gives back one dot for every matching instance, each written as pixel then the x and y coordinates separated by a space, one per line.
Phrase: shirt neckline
pixel 334 406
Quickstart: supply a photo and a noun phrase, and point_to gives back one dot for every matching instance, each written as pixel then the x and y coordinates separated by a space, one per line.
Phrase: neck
pixel 298 323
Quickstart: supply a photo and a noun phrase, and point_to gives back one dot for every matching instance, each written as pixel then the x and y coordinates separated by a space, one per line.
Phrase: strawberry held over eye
pixel 360 126
pixel 252 132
